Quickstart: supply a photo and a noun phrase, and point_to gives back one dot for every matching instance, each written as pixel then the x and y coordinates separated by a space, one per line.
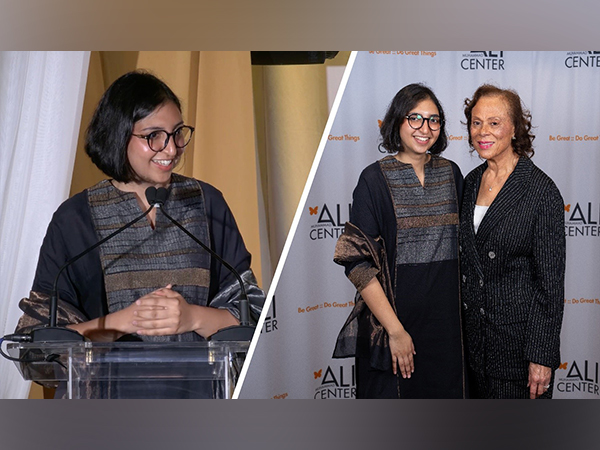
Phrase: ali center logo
pixel 270 323
pixel 582 219
pixel 578 377
pixel 480 60
pixel 582 60
pixel 335 382
pixel 329 220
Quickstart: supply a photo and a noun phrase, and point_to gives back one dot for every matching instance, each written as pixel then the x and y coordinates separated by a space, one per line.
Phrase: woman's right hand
pixel 401 344
pixel 403 351
pixel 124 320
pixel 114 325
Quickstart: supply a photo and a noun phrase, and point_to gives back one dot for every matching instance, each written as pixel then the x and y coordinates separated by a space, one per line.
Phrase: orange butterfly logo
pixel 568 207
pixel 318 374
pixel 563 366
pixel 314 210
pixel 379 122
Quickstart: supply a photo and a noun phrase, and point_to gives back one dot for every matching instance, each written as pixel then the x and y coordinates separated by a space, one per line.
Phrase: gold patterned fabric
pixel 36 312
pixel 353 246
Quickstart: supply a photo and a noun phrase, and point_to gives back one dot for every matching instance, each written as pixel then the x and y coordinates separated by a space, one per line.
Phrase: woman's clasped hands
pixel 162 312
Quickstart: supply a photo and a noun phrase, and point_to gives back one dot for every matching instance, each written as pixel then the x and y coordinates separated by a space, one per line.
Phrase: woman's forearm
pixel 378 303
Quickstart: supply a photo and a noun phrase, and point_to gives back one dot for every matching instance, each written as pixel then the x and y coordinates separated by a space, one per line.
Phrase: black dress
pixel 418 226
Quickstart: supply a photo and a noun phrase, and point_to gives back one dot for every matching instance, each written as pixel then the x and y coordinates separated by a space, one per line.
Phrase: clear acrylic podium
pixel 133 369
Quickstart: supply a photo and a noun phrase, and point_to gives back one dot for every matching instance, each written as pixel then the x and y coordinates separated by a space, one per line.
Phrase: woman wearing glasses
pixel 400 250
pixel 150 280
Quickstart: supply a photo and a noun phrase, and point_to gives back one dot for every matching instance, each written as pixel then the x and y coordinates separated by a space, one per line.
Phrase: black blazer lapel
pixel 468 211
pixel 514 188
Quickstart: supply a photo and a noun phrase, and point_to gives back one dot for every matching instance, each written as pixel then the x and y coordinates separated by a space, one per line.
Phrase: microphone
pixel 242 332
pixel 52 333
pixel 156 197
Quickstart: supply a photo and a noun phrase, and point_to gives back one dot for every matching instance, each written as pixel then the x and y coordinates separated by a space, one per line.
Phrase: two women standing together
pixel 459 284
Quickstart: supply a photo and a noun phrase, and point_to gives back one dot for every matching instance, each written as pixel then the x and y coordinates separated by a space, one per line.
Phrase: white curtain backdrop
pixel 41 98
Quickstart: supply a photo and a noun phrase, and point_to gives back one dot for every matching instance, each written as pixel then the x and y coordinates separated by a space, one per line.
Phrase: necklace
pixel 500 182
pixel 503 178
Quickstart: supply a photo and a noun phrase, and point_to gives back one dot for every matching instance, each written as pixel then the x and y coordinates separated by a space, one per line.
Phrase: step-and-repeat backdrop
pixel 313 297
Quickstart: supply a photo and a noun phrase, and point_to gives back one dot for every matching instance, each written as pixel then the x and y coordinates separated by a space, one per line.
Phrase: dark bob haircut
pixel 522 143
pixel 130 98
pixel 405 100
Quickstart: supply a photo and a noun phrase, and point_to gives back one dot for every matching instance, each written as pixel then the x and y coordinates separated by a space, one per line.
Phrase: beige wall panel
pixel 85 173
pixel 115 64
pixel 225 143
pixel 295 106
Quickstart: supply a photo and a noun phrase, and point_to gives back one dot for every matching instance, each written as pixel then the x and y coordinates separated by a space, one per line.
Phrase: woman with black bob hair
pixel 151 280
pixel 400 250
pixel 402 104
pixel 135 96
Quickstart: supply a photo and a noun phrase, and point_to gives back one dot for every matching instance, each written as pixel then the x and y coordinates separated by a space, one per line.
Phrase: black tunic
pixel 419 228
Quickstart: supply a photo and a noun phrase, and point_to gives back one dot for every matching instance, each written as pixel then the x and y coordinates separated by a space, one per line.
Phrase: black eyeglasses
pixel 416 121
pixel 159 139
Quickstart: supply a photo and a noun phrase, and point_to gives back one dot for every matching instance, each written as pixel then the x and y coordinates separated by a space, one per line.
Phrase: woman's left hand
pixel 539 379
pixel 170 313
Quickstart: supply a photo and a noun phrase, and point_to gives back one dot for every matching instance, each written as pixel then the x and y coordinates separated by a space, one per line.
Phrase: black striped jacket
pixel 512 274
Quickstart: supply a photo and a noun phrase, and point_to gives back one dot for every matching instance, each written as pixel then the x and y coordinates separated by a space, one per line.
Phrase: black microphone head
pixel 151 195
pixel 161 195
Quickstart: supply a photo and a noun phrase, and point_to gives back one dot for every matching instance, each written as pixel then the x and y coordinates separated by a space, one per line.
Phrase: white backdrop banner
pixel 313 297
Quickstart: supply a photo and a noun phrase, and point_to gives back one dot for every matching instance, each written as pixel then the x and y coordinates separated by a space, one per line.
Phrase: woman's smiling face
pixel 492 128
pixel 419 141
pixel 155 168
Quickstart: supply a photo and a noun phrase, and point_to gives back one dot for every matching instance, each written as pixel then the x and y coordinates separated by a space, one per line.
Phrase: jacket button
pixel 492 255
pixel 464 278
pixel 481 310
pixel 460 248
pixel 481 283
pixel 465 306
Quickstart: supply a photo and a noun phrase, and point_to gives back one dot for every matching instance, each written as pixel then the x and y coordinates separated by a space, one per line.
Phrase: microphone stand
pixel 242 332
pixel 53 333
